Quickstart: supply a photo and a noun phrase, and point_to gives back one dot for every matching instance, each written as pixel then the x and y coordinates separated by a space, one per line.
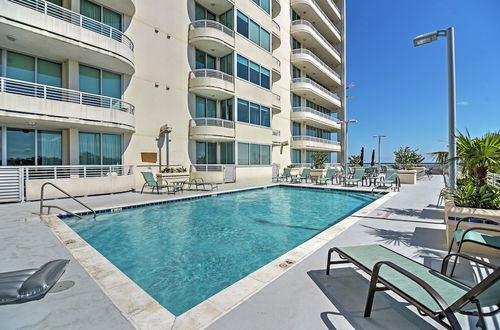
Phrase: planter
pixel 452 211
pixel 163 178
pixel 317 173
pixel 407 176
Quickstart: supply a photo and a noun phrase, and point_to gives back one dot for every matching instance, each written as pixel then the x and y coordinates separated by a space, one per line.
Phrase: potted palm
pixel 406 160
pixel 318 164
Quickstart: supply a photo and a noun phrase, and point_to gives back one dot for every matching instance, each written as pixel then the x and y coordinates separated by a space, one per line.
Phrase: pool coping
pixel 144 312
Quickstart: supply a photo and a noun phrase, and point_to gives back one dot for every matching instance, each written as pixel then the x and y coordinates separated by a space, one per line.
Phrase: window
pixel 226 64
pixel 100 82
pixel 296 130
pixel 265 40
pixel 264 4
pixel 253 154
pixel 205 107
pixel 203 13
pixel 317 132
pixel 242 24
pixel 204 61
pixel 295 100
pixel 20 147
pixel 206 153
pixel 296 156
pixel 295 72
pixel 253 113
pixel 253 72
pixel 250 29
pixel 255 32
pixel 100 14
pixel 49 73
pixel 296 44
pixel 317 107
pixel 111 149
pixel 22 67
pixel 295 16
pixel 100 149
pixel 49 148
pixel 227 153
pixel 226 18
pixel 226 109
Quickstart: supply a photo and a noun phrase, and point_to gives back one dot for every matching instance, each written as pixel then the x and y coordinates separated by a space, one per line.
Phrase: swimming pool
pixel 183 252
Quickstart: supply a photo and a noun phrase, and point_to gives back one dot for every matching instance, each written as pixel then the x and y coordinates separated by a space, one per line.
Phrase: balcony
pixel 314 144
pixel 61 107
pixel 312 12
pixel 313 91
pixel 217 6
pixel 315 118
pixel 314 66
pixel 276 69
pixel 211 129
pixel 276 8
pixel 276 35
pixel 50 31
pixel 211 83
pixel 212 37
pixel 310 38
pixel 276 104
pixel 331 10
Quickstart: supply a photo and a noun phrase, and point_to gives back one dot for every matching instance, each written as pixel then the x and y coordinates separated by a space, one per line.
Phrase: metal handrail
pixel 276 97
pixel 210 73
pixel 313 139
pixel 276 25
pixel 208 121
pixel 315 84
pixel 205 23
pixel 304 22
pixel 42 189
pixel 316 112
pixel 75 18
pixel 47 92
pixel 276 61
pixel 325 18
pixel 308 52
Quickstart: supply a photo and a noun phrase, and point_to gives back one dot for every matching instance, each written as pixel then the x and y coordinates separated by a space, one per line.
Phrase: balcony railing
pixel 209 73
pixel 75 171
pixel 72 17
pixel 315 84
pixel 314 139
pixel 217 122
pixel 46 92
pixel 276 61
pixel 276 98
pixel 212 25
pixel 308 52
pixel 276 26
pixel 317 113
pixel 325 16
pixel 304 22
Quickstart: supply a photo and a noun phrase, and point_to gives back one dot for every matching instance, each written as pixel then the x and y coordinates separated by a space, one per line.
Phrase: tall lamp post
pixel 346 123
pixel 379 138
pixel 450 38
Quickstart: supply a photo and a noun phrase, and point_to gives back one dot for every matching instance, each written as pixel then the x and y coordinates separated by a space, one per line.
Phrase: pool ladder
pixel 49 207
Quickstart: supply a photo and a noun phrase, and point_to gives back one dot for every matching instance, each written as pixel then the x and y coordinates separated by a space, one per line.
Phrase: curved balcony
pixel 216 6
pixel 276 35
pixel 62 107
pixel 331 10
pixel 276 103
pixel 312 65
pixel 276 69
pixel 211 129
pixel 313 91
pixel 211 83
pixel 212 37
pixel 312 12
pixel 315 118
pixel 51 31
pixel 276 8
pixel 310 38
pixel 314 144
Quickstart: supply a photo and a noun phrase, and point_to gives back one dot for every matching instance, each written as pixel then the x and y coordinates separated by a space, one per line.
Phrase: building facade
pixel 242 84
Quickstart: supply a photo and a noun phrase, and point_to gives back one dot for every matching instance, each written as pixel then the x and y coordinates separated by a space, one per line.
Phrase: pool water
pixel 183 252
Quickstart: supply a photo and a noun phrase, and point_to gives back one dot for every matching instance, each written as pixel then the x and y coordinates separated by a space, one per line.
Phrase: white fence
pixel 211 24
pixel 209 73
pixel 218 122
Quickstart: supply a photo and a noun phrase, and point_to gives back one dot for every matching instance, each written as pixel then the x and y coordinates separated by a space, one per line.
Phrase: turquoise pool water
pixel 183 252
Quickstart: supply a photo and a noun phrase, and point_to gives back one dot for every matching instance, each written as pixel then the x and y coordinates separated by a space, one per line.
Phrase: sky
pixel 402 91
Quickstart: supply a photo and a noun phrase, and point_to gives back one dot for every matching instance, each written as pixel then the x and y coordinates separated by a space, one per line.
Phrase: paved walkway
pixel 303 298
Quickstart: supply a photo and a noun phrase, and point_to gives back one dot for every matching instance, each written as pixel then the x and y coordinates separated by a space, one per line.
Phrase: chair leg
pixel 456 258
pixel 144 185
pixel 371 296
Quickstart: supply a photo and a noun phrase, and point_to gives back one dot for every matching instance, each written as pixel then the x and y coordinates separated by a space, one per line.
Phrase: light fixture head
pixel 425 38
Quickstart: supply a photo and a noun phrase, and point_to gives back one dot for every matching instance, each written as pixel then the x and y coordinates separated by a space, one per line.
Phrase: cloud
pixel 462 103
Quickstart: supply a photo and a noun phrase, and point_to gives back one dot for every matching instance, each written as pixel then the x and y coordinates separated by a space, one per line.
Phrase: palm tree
pixel 479 155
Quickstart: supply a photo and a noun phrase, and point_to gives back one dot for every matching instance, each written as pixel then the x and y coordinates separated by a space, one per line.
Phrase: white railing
pixel 314 139
pixel 276 62
pixel 276 98
pixel 276 26
pixel 72 17
pixel 276 132
pixel 212 122
pixel 493 179
pixel 304 22
pixel 325 16
pixel 212 25
pixel 316 112
pixel 25 88
pixel 315 84
pixel 75 171
pixel 308 52
pixel 209 73
pixel 207 168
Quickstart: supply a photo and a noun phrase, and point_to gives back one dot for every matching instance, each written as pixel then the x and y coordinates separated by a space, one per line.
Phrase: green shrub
pixel 319 159
pixel 466 195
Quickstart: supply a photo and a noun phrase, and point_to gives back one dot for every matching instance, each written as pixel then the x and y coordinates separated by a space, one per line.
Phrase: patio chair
pixel 391 178
pixel 30 284
pixel 152 183
pixel 432 292
pixel 199 182
pixel 306 174
pixel 286 174
pixel 358 176
pixel 472 235
pixel 330 175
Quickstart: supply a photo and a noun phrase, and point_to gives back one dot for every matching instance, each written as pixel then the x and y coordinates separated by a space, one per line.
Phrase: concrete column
pixel 74 147
pixel 72 75
pixel 73 5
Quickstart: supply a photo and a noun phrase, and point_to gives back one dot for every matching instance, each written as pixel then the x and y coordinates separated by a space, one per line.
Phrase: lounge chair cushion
pixel 478 237
pixel 369 255
pixel 30 284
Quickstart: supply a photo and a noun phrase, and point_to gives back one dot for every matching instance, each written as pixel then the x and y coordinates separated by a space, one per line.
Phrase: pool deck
pixel 300 298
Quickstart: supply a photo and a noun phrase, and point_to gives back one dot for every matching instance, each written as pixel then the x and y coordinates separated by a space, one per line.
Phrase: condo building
pixel 245 87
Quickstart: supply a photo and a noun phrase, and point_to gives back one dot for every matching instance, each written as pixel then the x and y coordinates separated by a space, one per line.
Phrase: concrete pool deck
pixel 300 298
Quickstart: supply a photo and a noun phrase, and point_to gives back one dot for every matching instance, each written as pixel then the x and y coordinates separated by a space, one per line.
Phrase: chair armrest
pixel 468 218
pixel 444 265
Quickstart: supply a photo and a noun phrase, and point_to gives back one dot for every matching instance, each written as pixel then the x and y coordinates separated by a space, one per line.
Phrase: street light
pixel 163 136
pixel 346 123
pixel 379 137
pixel 450 37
